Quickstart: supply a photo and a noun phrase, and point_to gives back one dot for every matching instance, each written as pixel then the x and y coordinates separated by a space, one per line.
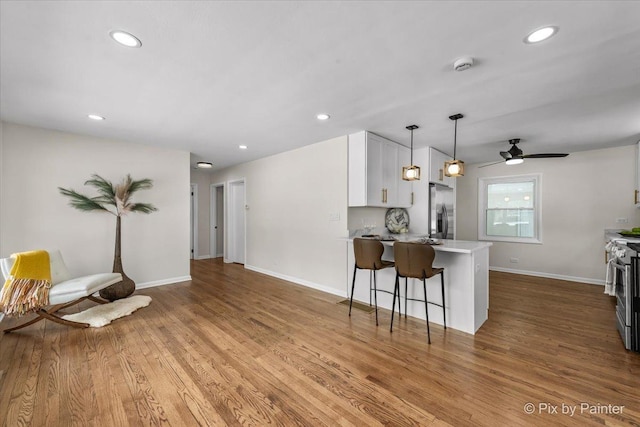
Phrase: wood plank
pixel 236 347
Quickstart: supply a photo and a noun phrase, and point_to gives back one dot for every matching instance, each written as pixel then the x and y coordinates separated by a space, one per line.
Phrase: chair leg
pixel 353 286
pixel 375 294
pixel 444 310
pixel 370 272
pixel 426 309
pixel 97 300
pixel 393 306
pixel 23 325
pixel 50 313
pixel 62 321
pixel 406 279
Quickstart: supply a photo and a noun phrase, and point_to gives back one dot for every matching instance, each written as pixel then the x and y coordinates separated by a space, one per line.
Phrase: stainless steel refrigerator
pixel 441 215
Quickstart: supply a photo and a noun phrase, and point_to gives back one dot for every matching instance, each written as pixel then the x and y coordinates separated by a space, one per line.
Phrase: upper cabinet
pixel 436 168
pixel 375 169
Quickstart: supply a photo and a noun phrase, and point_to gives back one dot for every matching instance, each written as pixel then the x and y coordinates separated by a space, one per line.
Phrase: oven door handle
pixel 619 267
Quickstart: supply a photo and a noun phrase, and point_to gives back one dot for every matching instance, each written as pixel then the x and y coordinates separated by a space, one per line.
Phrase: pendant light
pixel 454 167
pixel 411 172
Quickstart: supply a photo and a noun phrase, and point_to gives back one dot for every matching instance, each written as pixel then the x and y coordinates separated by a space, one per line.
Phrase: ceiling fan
pixel 515 155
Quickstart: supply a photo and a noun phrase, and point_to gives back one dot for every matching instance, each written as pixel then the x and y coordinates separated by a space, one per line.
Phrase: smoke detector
pixel 463 63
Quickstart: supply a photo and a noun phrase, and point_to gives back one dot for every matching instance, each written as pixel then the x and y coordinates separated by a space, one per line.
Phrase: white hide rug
pixel 103 314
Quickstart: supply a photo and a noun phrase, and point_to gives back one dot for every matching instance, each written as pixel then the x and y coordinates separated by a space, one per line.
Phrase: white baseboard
pixel 161 282
pixel 549 275
pixel 207 256
pixel 298 281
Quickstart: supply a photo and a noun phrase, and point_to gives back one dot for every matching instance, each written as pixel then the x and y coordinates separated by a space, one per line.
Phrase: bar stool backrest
pixel 414 259
pixel 368 253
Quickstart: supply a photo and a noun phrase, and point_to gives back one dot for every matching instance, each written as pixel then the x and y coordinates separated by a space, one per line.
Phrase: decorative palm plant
pixel 116 200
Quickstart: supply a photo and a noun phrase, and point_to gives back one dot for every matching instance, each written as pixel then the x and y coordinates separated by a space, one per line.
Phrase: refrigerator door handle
pixel 445 221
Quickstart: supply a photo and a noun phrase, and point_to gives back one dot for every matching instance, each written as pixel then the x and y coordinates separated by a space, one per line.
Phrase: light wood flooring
pixel 235 347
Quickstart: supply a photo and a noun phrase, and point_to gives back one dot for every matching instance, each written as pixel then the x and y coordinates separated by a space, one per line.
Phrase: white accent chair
pixel 65 291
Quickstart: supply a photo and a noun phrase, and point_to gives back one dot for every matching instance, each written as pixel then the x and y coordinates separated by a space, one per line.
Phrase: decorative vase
pixel 125 287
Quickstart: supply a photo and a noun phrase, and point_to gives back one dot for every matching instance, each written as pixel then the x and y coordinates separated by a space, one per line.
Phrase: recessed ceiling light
pixel 204 165
pixel 125 38
pixel 323 116
pixel 242 147
pixel 95 117
pixel 540 34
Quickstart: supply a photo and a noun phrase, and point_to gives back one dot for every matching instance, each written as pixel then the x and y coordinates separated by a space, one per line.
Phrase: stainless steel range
pixel 634 298
pixel 626 265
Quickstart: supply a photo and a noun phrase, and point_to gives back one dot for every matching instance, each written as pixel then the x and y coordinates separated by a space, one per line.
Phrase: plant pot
pixel 119 290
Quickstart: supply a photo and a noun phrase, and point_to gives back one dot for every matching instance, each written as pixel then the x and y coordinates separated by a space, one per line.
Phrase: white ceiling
pixel 213 75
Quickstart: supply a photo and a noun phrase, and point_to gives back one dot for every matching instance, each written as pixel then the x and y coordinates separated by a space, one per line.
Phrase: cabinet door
pixel 436 168
pixel 390 174
pixel 375 163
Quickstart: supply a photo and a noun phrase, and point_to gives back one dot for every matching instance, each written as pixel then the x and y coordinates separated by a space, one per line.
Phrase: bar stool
pixel 368 254
pixel 415 260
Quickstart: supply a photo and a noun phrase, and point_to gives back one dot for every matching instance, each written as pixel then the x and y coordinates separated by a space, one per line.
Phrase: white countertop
pixel 612 235
pixel 460 246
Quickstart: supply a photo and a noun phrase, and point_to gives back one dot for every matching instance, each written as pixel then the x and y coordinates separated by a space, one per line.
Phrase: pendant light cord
pixel 455 138
pixel 411 147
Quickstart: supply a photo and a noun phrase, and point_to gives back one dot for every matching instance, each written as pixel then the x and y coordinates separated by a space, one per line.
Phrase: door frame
pixel 230 224
pixel 214 221
pixel 194 220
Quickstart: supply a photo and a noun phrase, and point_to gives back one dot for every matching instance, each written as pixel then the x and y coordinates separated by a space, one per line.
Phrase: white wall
pixel 35 162
pixel 581 196
pixel 1 181
pixel 290 197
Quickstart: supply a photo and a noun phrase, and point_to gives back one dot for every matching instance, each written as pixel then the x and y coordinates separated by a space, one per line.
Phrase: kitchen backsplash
pixel 359 217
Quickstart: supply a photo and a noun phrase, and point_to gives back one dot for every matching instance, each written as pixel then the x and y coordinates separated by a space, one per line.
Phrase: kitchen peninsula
pixel 466 275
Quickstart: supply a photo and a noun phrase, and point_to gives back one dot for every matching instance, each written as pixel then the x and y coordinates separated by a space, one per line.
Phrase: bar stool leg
pixel 399 302
pixel 426 309
pixel 370 272
pixel 444 310
pixel 405 297
pixel 393 306
pixel 375 294
pixel 353 286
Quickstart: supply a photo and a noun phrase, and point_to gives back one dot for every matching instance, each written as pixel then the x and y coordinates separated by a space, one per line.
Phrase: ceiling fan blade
pixel 505 155
pixel 491 164
pixel 544 155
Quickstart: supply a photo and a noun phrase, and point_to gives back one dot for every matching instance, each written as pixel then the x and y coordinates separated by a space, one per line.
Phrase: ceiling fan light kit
pixel 411 172
pixel 515 161
pixel 515 156
pixel 454 168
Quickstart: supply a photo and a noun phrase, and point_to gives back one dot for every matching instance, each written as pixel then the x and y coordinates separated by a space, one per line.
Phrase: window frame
pixel 483 184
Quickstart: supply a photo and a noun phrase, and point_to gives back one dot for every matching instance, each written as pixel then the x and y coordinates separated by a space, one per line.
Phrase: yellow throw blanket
pixel 27 288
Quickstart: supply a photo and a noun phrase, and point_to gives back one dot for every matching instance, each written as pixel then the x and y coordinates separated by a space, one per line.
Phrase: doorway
pixel 216 238
pixel 237 222
pixel 194 220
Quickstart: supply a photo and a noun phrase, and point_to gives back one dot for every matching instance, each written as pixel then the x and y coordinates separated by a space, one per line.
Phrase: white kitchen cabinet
pixel 436 168
pixel 375 168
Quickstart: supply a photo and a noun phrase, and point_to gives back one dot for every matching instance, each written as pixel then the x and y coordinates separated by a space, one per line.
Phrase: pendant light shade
pixel 454 168
pixel 411 172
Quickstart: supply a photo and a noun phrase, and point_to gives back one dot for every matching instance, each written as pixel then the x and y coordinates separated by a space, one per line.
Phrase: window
pixel 509 209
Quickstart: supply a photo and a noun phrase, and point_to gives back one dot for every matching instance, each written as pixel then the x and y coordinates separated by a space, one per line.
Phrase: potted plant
pixel 116 200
